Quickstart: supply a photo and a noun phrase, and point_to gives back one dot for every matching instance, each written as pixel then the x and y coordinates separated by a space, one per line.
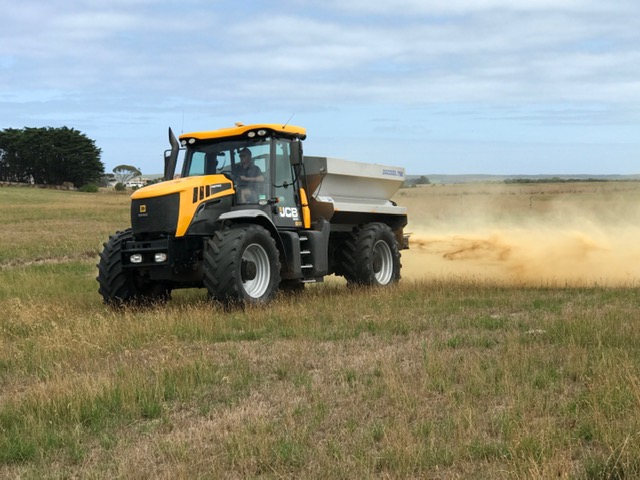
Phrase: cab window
pixel 196 167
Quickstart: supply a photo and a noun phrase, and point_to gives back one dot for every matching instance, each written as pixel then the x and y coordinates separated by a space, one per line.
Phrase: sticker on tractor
pixel 289 212
pixel 142 211
pixel 392 172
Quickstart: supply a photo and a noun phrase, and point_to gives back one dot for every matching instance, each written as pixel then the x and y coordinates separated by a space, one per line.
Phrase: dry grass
pixel 40 225
pixel 454 377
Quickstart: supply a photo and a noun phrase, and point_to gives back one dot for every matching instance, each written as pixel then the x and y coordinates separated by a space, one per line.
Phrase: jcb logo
pixel 142 211
pixel 289 212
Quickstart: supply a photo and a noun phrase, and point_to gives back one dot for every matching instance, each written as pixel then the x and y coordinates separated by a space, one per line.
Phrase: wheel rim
pixel 382 262
pixel 256 260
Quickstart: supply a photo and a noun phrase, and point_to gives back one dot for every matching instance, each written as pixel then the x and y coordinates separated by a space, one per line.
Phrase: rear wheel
pixel 241 264
pixel 121 287
pixel 370 256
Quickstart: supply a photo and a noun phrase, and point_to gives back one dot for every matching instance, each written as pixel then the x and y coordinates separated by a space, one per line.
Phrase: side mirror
pixel 296 153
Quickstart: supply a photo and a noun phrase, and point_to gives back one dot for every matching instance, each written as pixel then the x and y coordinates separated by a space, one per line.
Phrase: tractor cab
pixel 263 162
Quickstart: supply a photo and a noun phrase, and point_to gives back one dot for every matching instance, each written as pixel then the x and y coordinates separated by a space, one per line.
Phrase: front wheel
pixel 370 256
pixel 121 287
pixel 241 264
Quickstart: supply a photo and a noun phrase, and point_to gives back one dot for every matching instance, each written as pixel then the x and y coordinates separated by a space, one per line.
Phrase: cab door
pixel 287 211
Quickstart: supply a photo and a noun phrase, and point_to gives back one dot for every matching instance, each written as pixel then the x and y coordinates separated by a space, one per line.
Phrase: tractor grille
pixel 155 215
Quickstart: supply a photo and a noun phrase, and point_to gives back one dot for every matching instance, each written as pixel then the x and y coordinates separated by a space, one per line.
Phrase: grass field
pixel 508 350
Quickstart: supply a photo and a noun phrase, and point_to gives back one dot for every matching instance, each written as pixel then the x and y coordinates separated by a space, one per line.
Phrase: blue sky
pixel 450 87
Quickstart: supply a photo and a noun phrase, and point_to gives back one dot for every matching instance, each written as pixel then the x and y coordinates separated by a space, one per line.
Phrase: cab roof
pixel 240 129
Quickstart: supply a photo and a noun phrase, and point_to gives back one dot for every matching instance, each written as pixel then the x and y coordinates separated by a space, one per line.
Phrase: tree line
pixel 49 156
pixel 553 180
pixel 412 182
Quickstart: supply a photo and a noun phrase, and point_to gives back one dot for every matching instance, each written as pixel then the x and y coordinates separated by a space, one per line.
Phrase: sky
pixel 500 87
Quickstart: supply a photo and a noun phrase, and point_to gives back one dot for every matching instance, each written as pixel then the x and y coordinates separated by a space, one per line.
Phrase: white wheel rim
pixel 257 286
pixel 383 261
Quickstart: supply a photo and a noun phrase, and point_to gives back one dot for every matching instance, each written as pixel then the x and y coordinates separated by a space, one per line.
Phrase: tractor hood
pixel 185 195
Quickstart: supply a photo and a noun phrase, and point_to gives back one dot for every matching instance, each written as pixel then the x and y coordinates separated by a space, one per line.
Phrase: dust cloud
pixel 562 246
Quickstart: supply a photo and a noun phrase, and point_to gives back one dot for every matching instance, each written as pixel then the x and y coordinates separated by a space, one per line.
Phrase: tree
pixel 106 180
pixel 49 156
pixel 124 173
pixel 11 168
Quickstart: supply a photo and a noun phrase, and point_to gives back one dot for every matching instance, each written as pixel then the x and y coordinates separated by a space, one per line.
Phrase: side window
pixel 206 163
pixel 197 164
pixel 283 176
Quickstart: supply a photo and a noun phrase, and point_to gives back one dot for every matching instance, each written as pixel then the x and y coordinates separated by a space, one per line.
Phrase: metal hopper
pixel 352 187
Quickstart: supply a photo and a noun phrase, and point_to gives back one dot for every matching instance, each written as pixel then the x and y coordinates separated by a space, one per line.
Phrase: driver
pixel 248 175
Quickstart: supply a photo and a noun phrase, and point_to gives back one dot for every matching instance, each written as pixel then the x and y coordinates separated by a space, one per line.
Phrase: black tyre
pixel 370 256
pixel 241 264
pixel 120 287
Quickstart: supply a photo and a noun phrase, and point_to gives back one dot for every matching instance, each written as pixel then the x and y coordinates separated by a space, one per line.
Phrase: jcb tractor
pixel 244 230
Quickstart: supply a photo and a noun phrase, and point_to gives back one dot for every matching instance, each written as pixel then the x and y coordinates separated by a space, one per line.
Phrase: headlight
pixel 160 257
pixel 136 258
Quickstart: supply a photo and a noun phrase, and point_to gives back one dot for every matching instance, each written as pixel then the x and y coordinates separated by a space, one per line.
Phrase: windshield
pixel 222 157
pixel 259 168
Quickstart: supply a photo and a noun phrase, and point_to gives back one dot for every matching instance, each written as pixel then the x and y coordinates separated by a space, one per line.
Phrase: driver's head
pixel 245 155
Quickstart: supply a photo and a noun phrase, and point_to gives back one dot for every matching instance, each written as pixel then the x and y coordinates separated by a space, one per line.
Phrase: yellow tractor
pixel 248 215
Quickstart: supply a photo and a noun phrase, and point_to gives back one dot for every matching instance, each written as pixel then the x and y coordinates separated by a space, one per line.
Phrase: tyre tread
pixel 357 252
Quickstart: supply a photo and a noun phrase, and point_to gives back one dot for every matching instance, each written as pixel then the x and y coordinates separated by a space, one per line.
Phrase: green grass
pixel 451 378
pixel 41 225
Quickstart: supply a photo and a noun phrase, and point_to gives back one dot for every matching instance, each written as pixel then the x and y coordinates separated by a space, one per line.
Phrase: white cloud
pixel 494 50
pixel 459 7
pixel 129 61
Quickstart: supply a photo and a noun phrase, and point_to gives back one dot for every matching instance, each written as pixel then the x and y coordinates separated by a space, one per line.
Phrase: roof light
pixel 192 141
pixel 251 134
pixel 262 132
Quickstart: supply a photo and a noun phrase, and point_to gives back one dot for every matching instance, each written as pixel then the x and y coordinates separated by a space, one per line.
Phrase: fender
pixel 253 215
